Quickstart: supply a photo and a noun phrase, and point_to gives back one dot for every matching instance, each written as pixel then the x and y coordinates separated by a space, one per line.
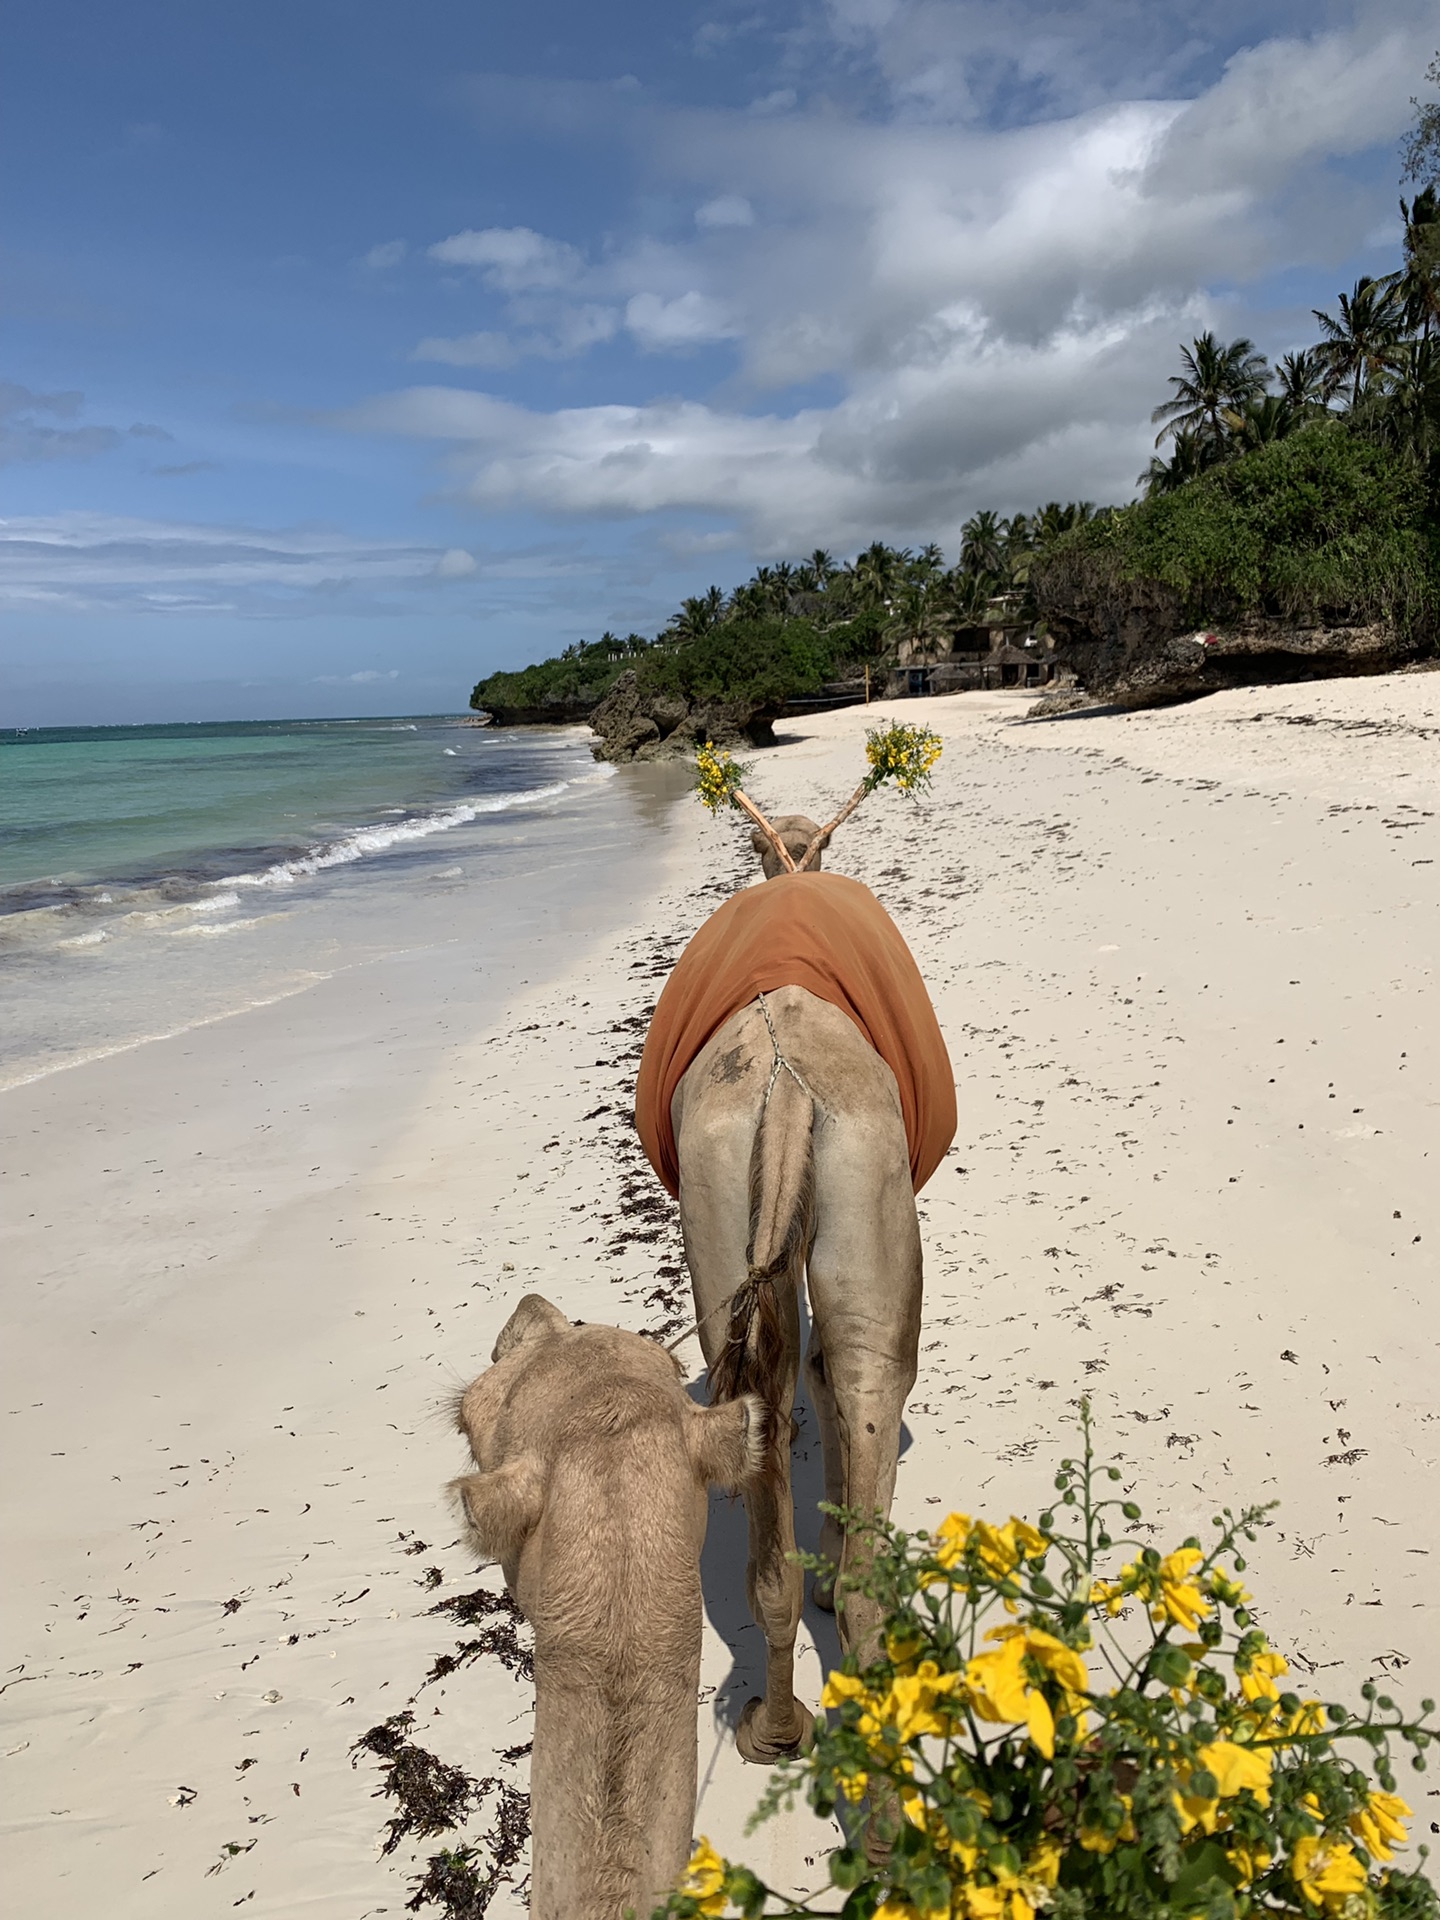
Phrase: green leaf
pixel 1200 1868
pixel 847 1867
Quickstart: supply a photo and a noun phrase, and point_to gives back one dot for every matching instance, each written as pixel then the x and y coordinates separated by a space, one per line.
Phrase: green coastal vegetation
pixel 1307 490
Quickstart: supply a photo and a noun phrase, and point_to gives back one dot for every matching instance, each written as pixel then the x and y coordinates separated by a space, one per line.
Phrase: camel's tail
pixel 755 1358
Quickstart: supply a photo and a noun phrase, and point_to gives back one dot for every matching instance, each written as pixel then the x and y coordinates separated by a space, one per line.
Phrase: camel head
pixel 797 832
pixel 575 1399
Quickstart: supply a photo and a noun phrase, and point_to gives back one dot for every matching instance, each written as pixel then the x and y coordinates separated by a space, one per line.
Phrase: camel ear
pixel 499 1510
pixel 759 841
pixel 728 1443
pixel 533 1319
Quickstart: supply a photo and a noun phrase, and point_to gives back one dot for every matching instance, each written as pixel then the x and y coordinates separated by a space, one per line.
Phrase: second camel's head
pixel 797 832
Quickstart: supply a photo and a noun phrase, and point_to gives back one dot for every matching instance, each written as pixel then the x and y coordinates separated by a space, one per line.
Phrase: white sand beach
pixel 1186 965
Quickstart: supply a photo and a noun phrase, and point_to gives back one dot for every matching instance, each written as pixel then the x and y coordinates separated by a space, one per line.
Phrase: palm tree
pixel 1419 282
pixel 694 618
pixel 1017 543
pixel 876 574
pixel 969 594
pixel 1364 343
pixel 981 548
pixel 748 602
pixel 1216 378
pixel 929 562
pixel 1403 409
pixel 1264 421
pixel 1302 381
pixel 1052 519
pixel 822 565
pixel 1191 454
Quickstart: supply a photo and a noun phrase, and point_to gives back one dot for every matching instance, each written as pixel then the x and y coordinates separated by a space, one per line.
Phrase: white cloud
pixel 96 562
pixel 687 321
pixel 995 310
pixel 514 259
pixel 388 254
pixel 726 210
pixel 364 678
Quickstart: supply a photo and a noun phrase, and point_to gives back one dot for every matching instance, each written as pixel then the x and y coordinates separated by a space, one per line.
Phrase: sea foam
pixel 371 840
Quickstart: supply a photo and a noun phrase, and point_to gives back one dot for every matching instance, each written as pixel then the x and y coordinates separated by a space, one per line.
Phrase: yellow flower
pixel 705 1878
pixel 717 777
pixel 952 1536
pixel 1326 1871
pixel 1233 1769
pixel 1043 1866
pixel 841 1687
pixel 1310 1718
pixel 897 1907
pixel 1002 1690
pixel 901 753
pixel 1380 1825
pixel 1227 1590
pixel 915 1704
pixel 1236 1768
pixel 1265 1669
pixel 903 1640
pixel 1167 1589
pixel 1250 1860
pixel 1002 1548
pixel 1180 1601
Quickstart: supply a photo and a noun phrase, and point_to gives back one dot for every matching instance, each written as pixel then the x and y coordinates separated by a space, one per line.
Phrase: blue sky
pixel 350 351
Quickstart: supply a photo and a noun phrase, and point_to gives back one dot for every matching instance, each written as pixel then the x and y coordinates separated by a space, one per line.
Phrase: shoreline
pixel 1153 940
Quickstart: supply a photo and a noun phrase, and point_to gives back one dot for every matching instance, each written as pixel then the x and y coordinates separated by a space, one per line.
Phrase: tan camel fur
pixel 591 1493
pixel 797 832
pixel 813 1183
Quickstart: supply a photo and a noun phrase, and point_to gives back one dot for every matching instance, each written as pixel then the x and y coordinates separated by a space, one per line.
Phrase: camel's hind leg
pixel 717 1116
pixel 865 1285
pixel 832 1539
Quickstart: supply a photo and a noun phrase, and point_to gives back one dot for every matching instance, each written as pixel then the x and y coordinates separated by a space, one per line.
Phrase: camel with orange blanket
pixel 795 1092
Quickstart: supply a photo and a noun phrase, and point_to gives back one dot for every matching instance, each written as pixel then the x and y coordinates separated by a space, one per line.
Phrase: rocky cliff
pixel 636 724
pixel 1131 655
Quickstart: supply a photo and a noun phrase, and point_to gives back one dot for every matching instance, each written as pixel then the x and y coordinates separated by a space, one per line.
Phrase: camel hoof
pixel 822 1592
pixel 759 1751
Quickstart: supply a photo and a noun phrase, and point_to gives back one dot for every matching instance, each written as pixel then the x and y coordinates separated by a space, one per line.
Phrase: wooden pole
pixel 747 805
pixel 841 817
pixel 867 683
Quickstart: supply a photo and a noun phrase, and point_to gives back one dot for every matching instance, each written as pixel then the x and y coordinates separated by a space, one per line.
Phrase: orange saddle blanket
pixel 831 936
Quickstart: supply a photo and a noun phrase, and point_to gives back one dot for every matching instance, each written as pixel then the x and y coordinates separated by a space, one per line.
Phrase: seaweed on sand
pixel 499 1638
pixel 462 1881
pixel 432 1796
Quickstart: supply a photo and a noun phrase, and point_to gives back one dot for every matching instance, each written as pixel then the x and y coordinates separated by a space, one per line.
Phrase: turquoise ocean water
pixel 152 878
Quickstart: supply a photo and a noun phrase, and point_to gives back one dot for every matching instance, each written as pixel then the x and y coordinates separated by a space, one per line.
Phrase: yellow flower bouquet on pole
pixel 1064 1721
pixel 903 754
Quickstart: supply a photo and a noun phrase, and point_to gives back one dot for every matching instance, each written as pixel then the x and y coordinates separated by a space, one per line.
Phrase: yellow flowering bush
pixel 901 753
pixel 1061 1720
pixel 904 754
pixel 718 778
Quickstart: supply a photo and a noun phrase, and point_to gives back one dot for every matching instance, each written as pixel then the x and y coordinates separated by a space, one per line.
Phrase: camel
pixel 794 1163
pixel 590 1490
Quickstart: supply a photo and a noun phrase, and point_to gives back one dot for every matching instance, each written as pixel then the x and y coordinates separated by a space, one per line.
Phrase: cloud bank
pixel 992 308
